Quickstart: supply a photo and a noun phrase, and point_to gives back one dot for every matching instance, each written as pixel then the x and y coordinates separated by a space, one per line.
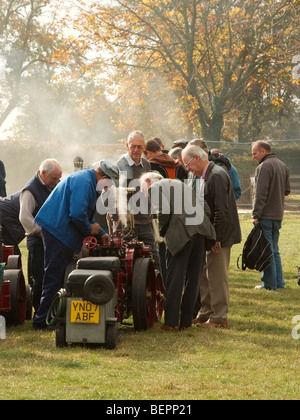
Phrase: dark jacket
pixel 168 167
pixel 218 193
pixel 272 184
pixel 2 180
pixel 40 193
pixel 10 209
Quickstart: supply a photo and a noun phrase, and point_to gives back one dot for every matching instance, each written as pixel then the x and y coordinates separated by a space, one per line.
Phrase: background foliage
pixel 89 72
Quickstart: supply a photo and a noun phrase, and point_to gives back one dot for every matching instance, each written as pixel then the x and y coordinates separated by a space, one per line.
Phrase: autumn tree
pixel 24 44
pixel 209 53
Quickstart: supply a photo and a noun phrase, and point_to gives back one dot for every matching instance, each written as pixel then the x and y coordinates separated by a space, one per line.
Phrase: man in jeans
pixel 272 184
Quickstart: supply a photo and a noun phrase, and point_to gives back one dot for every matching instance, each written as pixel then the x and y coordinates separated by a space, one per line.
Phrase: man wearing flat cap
pixel 66 218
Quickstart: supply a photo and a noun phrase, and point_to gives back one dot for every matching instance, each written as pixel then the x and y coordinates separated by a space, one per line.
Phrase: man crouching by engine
pixel 66 218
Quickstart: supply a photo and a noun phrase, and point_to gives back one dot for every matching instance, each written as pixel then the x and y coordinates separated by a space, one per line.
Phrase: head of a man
pixel 260 149
pixel 194 159
pixel 200 143
pixel 107 170
pixel 147 179
pixel 152 149
pixel 50 173
pixel 136 146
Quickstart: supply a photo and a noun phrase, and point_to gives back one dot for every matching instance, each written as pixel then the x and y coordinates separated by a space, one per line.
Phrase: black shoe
pixel 42 326
pixel 39 326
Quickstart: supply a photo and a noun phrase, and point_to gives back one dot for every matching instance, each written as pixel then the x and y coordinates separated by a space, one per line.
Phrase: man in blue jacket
pixel 66 218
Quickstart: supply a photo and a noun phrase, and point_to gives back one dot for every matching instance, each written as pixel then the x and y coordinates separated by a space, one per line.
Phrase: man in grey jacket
pixel 185 226
pixel 272 184
pixel 132 165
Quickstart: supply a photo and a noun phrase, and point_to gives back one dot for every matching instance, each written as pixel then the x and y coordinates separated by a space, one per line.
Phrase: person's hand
pixel 256 222
pixel 216 248
pixel 105 239
pixel 95 229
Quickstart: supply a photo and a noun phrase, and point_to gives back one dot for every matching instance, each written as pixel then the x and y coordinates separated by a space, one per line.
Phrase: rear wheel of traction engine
pixel 159 295
pixel 143 294
pixel 18 298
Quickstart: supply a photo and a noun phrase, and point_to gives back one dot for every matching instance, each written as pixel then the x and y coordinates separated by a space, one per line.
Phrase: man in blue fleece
pixel 66 218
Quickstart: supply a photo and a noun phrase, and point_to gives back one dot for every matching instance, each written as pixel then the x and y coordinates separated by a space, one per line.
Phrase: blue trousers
pixel 272 277
pixel 57 258
pixel 36 266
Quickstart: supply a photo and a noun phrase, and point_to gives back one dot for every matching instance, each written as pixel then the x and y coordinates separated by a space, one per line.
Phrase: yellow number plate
pixel 84 312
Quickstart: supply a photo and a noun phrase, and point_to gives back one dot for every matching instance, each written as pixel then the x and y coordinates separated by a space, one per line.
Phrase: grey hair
pixel 176 152
pixel 135 134
pixel 200 143
pixel 191 151
pixel 152 176
pixel 48 165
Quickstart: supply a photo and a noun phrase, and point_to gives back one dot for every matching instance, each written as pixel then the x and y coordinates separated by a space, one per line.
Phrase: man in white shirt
pixel 133 165
pixel 32 197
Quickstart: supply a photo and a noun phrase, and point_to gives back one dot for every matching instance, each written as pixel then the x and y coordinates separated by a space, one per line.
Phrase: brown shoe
pixel 209 324
pixel 199 320
pixel 183 328
pixel 166 327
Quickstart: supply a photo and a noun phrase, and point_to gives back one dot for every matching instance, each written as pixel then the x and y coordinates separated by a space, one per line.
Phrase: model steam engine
pixel 110 284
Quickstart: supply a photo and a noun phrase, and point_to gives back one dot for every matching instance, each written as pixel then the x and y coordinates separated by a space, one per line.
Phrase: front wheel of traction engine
pixel 111 341
pixel 61 335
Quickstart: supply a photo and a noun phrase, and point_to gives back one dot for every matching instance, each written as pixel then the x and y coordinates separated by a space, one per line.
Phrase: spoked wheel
pixel 143 294
pixel 18 297
pixel 159 307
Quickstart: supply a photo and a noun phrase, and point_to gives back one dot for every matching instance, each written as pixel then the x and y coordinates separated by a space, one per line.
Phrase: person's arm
pixel 27 208
pixel 82 206
pixel 261 191
pixel 220 184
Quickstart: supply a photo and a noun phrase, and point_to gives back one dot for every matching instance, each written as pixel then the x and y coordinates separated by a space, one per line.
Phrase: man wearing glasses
pixel 218 193
pixel 132 166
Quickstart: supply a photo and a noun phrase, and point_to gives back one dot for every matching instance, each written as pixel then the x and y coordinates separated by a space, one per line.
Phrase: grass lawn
pixel 256 358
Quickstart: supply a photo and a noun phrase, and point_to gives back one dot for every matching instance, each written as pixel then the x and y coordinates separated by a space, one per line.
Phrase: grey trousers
pixel 182 282
pixel 214 289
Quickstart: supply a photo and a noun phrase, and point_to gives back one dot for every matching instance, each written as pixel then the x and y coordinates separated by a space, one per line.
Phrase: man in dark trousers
pixel 168 168
pixel 272 184
pixel 66 218
pixel 32 197
pixel 184 224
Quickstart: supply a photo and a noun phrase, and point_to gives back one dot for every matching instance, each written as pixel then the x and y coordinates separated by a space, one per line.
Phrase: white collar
pixel 131 162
